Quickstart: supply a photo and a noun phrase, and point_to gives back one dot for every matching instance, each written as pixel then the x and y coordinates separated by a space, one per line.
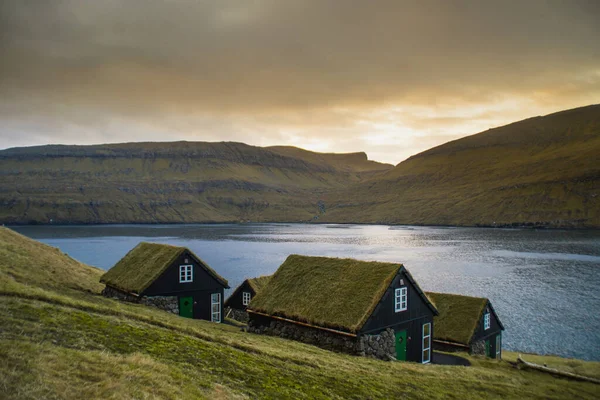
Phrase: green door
pixel 401 345
pixel 488 348
pixel 186 307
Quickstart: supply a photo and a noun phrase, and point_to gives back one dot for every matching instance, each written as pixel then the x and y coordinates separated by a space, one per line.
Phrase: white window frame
pixel 486 321
pixel 186 273
pixel 499 346
pixel 215 316
pixel 426 349
pixel 246 297
pixel 401 299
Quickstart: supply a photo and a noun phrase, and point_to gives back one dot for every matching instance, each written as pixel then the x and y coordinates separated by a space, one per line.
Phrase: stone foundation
pixel 238 315
pixel 478 348
pixel 381 346
pixel 166 303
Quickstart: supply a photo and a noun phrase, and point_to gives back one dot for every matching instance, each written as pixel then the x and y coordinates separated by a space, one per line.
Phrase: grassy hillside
pixel 171 182
pixel 543 171
pixel 60 339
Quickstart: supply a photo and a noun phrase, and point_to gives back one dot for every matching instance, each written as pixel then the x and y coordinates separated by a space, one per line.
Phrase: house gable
pixel 495 324
pixel 236 299
pixel 384 315
pixel 168 283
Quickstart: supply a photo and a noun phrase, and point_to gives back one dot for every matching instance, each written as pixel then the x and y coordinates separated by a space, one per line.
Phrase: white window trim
pixel 186 273
pixel 401 299
pixel 486 321
pixel 246 297
pixel 428 349
pixel 499 346
pixel 215 316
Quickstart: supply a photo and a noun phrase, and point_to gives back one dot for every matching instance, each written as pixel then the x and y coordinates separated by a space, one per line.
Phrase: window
pixel 215 306
pixel 185 273
pixel 486 321
pixel 426 343
pixel 499 346
pixel 400 303
pixel 246 296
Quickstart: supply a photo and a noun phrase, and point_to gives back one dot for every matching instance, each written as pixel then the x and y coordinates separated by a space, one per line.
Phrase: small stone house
pixel 364 308
pixel 168 277
pixel 236 304
pixel 466 323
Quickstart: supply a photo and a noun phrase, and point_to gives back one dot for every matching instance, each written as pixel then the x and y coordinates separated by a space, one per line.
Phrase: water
pixel 543 284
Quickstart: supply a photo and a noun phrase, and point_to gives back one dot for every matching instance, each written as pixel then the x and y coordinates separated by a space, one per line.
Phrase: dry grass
pixel 336 293
pixel 66 342
pixel 458 316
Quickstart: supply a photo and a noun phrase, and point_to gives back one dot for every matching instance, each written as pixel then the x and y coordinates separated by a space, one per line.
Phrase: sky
pixel 387 77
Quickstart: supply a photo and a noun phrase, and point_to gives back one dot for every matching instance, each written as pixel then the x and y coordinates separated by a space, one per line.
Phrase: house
pixel 236 304
pixel 168 277
pixel 466 324
pixel 358 307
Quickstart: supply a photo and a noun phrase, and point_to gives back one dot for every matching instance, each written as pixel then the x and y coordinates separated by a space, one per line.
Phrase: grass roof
pixel 458 316
pixel 144 264
pixel 329 292
pixel 257 284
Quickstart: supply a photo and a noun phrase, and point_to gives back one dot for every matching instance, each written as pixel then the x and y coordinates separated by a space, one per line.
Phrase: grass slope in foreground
pixel 60 339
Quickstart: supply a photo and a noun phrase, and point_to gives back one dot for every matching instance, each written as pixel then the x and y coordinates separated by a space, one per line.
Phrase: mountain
pixel 543 171
pixel 60 339
pixel 171 182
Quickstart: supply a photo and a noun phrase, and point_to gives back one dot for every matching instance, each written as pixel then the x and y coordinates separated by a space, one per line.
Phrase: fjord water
pixel 543 284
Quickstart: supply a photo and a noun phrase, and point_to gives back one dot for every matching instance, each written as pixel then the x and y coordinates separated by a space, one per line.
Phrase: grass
pixel 257 284
pixel 63 341
pixel 331 292
pixel 537 172
pixel 458 316
pixel 146 262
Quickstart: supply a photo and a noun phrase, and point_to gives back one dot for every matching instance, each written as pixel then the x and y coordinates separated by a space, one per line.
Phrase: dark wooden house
pixel 365 308
pixel 236 304
pixel 466 323
pixel 169 277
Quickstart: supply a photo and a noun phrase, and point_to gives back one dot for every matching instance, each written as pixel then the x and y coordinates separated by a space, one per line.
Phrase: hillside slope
pixel 60 339
pixel 171 182
pixel 543 171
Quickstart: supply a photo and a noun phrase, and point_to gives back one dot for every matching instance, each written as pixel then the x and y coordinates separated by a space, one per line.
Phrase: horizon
pixel 390 79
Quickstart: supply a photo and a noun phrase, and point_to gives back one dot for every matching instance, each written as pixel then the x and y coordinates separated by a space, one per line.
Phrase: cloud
pixel 261 71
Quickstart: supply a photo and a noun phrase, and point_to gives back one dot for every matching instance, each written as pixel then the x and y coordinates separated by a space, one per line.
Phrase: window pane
pixel 426 330
pixel 426 343
pixel 426 355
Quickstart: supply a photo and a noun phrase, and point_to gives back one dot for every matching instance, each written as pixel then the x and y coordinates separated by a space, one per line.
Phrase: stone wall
pixel 166 303
pixel 478 348
pixel 380 346
pixel 238 315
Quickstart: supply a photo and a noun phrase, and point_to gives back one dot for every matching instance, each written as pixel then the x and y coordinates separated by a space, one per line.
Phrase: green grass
pixel 458 316
pixel 60 340
pixel 338 293
pixel 538 172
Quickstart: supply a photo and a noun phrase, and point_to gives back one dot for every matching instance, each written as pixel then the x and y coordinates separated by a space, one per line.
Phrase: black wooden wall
pixel 235 300
pixel 201 288
pixel 413 319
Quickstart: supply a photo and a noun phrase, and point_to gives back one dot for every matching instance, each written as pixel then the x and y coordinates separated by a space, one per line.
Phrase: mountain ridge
pixel 541 171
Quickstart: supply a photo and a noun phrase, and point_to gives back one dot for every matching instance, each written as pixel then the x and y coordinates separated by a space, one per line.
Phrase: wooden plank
pixel 557 372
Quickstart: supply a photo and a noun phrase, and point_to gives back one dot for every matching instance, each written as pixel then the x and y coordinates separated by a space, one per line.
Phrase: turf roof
pixel 257 284
pixel 144 264
pixel 329 292
pixel 458 316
